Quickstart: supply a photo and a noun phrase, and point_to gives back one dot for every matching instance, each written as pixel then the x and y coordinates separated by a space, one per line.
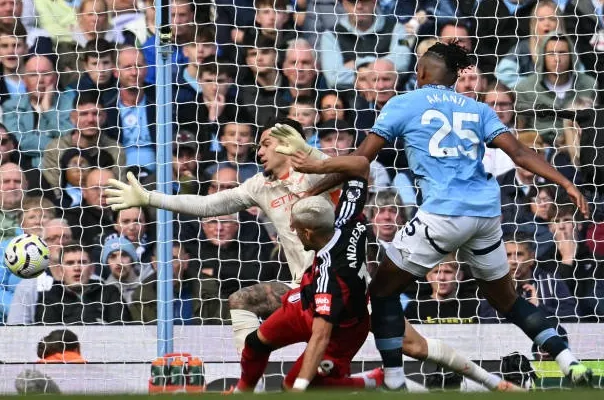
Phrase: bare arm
pixel 315 349
pixel 369 149
pixel 529 160
pixel 349 166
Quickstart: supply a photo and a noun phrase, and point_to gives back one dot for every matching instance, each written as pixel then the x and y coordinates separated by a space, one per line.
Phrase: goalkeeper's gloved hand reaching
pixel 291 140
pixel 124 195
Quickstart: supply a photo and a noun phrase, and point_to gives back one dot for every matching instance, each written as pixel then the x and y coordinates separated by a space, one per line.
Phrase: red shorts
pixel 291 324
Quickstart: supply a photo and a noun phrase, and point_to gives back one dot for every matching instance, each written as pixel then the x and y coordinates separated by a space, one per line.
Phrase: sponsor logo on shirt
pixel 323 303
pixel 294 298
pixel 282 200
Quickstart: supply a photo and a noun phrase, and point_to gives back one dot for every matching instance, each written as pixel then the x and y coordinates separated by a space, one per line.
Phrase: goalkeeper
pixel 274 191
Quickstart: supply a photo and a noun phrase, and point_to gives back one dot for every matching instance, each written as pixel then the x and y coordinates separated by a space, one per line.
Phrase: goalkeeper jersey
pixel 275 198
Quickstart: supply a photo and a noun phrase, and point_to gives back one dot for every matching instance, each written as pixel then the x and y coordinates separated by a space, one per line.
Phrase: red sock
pixel 253 364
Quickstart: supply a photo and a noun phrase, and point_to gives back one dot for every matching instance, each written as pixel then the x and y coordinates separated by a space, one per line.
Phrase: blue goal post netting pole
pixel 163 60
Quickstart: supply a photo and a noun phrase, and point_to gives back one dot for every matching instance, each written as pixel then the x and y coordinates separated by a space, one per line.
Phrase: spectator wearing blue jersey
pixel 40 115
pixel 363 32
pixel 135 105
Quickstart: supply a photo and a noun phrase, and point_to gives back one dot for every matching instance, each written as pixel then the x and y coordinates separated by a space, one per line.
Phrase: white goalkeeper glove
pixel 125 196
pixel 291 139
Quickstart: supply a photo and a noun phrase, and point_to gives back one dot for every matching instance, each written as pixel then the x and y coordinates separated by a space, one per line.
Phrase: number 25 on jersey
pixel 457 128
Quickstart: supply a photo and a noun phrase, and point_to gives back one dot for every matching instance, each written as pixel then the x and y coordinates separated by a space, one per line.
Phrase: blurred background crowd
pixel 77 102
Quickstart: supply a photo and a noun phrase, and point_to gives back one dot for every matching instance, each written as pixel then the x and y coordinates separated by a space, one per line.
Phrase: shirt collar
pixel 441 87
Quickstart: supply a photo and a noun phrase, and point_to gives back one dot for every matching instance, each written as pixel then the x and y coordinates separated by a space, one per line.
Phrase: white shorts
pixel 428 238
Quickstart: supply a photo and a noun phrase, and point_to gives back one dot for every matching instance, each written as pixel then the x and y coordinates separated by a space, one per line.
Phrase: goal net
pixel 78 96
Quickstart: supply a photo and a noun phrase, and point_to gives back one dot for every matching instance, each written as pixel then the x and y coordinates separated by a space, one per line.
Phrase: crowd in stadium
pixel 78 104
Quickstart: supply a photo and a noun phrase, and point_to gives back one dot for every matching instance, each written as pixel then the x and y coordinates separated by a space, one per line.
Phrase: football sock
pixel 446 356
pixel 534 323
pixel 388 326
pixel 244 323
pixel 254 360
pixel 565 359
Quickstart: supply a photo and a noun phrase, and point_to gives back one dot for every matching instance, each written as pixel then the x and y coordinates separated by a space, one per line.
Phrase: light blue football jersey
pixel 444 135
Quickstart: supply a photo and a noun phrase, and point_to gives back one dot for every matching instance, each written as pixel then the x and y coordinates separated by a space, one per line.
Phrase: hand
pixel 46 99
pixel 350 64
pixel 291 140
pixel 531 290
pixel 566 245
pixel 215 107
pixel 579 200
pixel 127 196
pixel 305 164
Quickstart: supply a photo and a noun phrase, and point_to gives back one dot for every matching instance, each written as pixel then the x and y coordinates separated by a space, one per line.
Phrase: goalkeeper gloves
pixel 124 195
pixel 291 139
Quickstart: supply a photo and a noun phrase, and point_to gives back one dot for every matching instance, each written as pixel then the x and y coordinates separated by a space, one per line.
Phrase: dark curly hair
pixel 455 57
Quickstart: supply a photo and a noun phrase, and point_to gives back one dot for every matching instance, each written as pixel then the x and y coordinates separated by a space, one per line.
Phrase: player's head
pixel 275 164
pixel 312 219
pixel 442 63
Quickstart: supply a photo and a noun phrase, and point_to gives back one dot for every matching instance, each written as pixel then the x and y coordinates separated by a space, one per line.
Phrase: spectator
pixel 427 12
pixel 182 18
pixel 93 23
pixel 501 99
pixel 231 14
pixel 126 19
pixel 304 110
pixel 93 216
pixel 385 81
pixel 518 190
pixel 235 262
pixel 300 68
pixel 261 95
pixel 98 62
pixel 445 304
pixel 199 49
pixel 58 18
pixel 126 271
pixel 60 346
pixel 185 161
pixel 523 56
pixel 555 84
pixel 136 109
pixel 196 300
pixel 77 299
pixel 337 138
pixel 12 185
pixel 74 167
pixel 420 49
pixel 363 31
pixel 576 265
pixel 13 48
pixel 88 117
pixel 332 106
pixel 37 212
pixel 542 286
pixel 8 147
pixel 386 216
pixel 320 16
pixel 471 83
pixel 37 39
pixel 237 141
pixel 212 106
pixel 273 21
pixel 42 114
pixel 139 28
pixel 364 95
pixel 495 20
pixel 23 306
pixel 452 30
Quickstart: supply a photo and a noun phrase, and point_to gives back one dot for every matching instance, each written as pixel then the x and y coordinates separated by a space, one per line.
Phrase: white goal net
pixel 78 107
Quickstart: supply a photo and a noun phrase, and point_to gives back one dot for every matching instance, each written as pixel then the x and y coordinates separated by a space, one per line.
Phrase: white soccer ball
pixel 27 256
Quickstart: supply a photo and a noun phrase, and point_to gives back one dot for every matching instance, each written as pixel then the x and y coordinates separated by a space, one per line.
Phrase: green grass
pixel 450 395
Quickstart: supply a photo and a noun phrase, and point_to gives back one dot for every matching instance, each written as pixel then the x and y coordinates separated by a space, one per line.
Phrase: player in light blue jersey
pixel 444 136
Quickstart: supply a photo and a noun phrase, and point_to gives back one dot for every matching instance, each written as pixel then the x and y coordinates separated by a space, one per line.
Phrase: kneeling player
pixel 329 310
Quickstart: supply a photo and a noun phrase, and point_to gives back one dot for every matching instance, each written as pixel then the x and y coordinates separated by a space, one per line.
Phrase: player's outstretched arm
pixel 349 166
pixel 528 159
pixel 315 349
pixel 369 149
pixel 123 195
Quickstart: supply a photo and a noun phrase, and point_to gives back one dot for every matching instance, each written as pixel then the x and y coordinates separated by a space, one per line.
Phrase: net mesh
pixel 77 96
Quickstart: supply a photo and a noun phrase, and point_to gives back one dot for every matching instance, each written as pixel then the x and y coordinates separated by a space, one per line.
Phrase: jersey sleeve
pixel 390 123
pixel 492 125
pixel 328 297
pixel 352 202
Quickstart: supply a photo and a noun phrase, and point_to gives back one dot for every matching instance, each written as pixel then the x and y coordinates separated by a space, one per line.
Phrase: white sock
pixel 565 359
pixel 394 377
pixel 448 357
pixel 244 323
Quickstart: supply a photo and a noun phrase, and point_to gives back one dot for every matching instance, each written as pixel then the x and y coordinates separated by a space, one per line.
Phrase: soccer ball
pixel 27 256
